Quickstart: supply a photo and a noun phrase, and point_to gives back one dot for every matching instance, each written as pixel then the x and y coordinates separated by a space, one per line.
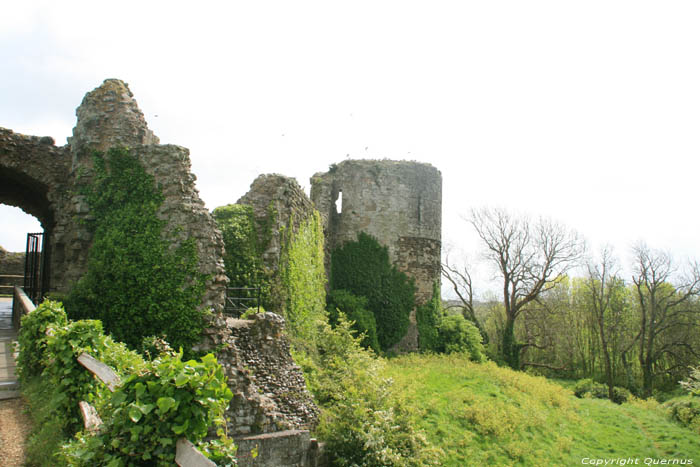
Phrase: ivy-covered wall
pixel 274 238
pixel 362 267
pixel 137 284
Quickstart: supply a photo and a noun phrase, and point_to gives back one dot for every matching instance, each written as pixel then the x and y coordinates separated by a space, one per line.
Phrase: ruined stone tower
pixel 397 202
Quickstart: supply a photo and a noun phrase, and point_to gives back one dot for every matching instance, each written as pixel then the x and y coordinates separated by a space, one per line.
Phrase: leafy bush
pixel 362 267
pixel 136 284
pixel 362 422
pixel 456 334
pixel 355 308
pixel 685 410
pixel 692 384
pixel 32 337
pixel 589 388
pixel 152 409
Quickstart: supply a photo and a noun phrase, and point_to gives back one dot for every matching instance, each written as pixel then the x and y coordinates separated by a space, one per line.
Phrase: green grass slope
pixel 486 415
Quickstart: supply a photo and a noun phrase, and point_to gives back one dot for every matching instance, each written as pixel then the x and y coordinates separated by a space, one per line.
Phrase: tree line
pixel 640 332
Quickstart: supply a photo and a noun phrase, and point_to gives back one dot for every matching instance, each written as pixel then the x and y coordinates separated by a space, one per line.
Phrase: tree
pixel 663 307
pixel 461 281
pixel 530 257
pixel 603 286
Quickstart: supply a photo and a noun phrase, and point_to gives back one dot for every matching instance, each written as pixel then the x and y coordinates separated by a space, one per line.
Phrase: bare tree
pixel 530 256
pixel 662 307
pixel 601 284
pixel 461 281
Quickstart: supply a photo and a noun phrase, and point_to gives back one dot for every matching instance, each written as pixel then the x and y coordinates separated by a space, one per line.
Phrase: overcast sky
pixel 586 112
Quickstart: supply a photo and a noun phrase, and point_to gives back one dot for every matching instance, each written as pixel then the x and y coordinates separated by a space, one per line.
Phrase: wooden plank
pixel 91 420
pixel 186 455
pixel 103 372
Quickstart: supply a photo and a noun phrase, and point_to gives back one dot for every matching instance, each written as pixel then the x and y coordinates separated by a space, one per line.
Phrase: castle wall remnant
pixel 397 202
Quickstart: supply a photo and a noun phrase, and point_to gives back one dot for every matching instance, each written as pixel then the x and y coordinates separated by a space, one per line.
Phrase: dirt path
pixel 14 429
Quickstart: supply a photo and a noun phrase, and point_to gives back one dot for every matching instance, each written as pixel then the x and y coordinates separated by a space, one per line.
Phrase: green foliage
pixel 692 384
pixel 157 403
pixel 686 411
pixel 428 317
pixel 303 277
pixel 362 422
pixel 152 409
pixel 244 241
pixel 362 267
pixel 136 284
pixel 355 308
pixel 32 337
pixel 589 388
pixel 457 334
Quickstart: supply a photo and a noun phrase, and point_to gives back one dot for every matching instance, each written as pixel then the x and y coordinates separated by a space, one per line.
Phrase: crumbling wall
pixel 397 202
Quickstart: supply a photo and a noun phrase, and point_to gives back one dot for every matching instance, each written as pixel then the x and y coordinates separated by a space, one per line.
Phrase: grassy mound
pixel 480 414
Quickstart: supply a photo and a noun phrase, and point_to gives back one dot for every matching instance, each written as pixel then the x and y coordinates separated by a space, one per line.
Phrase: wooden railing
pixel 186 454
pixel 21 305
pixel 8 282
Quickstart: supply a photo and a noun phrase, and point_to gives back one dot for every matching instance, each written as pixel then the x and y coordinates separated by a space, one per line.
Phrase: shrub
pixel 32 337
pixel 355 308
pixel 136 284
pixel 589 388
pixel 361 421
pixel 152 409
pixel 362 267
pixel 685 410
pixel 456 334
pixel 692 384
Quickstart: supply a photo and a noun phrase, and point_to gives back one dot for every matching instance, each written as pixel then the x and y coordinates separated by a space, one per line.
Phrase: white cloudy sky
pixel 587 112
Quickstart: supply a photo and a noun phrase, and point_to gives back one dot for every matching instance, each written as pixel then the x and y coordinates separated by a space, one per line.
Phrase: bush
pixel 685 410
pixel 692 384
pixel 589 388
pixel 361 421
pixel 362 267
pixel 456 334
pixel 152 409
pixel 32 337
pixel 355 308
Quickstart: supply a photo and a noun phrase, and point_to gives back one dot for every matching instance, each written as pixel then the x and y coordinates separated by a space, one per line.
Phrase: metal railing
pixel 34 267
pixel 239 299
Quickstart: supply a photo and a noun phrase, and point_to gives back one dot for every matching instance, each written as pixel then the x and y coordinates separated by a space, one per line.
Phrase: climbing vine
pixel 245 240
pixel 362 267
pixel 303 277
pixel 428 317
pixel 136 283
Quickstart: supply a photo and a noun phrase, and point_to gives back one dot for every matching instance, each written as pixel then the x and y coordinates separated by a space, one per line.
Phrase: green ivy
pixel 428 317
pixel 303 277
pixel 342 301
pixel 245 240
pixel 136 283
pixel 362 267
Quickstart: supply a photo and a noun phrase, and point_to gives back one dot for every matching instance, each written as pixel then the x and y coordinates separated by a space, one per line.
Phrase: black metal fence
pixel 240 299
pixel 34 267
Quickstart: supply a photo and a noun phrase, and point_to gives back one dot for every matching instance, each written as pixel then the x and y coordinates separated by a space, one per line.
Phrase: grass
pixel 480 414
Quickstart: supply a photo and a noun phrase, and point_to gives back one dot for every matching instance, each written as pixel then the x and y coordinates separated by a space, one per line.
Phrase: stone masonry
pixel 42 179
pixel 397 202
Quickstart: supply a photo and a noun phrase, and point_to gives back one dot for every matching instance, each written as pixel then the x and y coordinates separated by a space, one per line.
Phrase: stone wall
pixel 397 202
pixel 284 197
